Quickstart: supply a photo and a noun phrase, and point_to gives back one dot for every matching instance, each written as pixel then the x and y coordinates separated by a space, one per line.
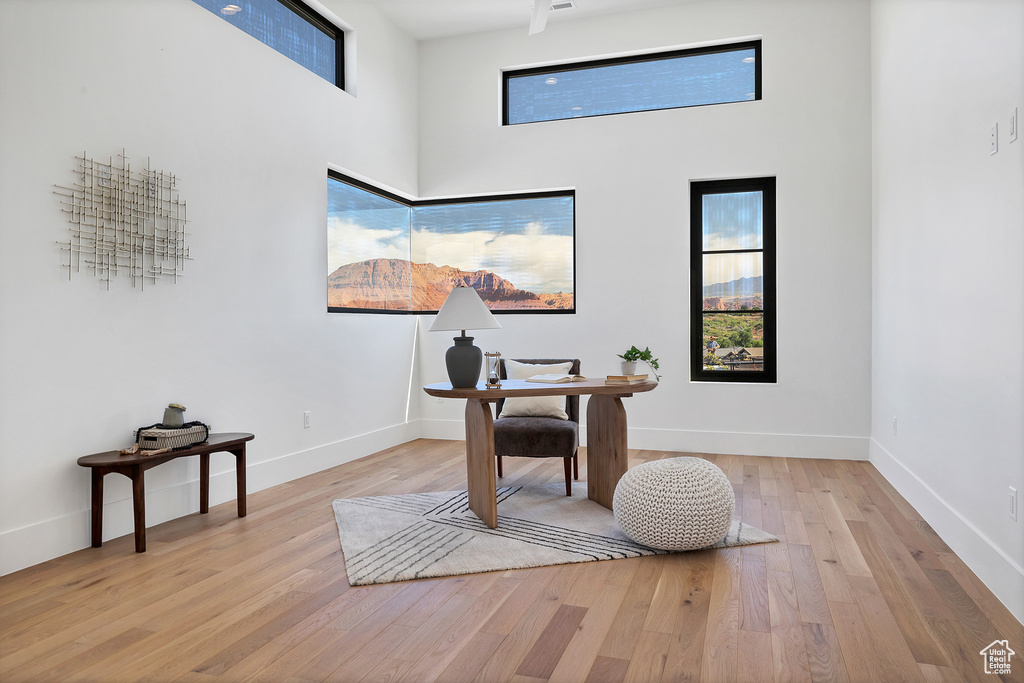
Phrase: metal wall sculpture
pixel 124 222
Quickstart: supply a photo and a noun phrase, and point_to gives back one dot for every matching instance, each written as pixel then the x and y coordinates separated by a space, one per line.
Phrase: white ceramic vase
pixel 628 367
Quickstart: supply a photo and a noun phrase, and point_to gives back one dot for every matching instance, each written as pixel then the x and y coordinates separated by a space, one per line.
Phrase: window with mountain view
pixel 732 280
pixel 387 254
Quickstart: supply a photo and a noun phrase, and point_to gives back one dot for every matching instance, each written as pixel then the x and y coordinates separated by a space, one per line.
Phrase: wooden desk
pixel 607 457
pixel 133 466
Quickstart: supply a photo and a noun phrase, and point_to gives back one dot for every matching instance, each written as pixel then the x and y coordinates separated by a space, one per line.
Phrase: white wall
pixel 243 339
pixel 948 276
pixel 631 174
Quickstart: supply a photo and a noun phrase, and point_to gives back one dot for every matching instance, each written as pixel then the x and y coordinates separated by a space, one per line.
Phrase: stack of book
pixel 625 379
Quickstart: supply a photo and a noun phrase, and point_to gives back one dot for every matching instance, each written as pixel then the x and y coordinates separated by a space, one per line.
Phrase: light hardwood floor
pixel 860 589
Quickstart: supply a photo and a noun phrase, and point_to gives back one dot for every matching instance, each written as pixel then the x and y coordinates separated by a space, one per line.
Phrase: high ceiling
pixel 427 19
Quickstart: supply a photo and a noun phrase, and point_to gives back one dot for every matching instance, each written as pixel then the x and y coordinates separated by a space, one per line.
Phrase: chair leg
pixel 576 466
pixel 499 466
pixel 568 470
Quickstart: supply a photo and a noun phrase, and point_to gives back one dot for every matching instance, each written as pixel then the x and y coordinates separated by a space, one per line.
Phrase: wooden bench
pixel 133 466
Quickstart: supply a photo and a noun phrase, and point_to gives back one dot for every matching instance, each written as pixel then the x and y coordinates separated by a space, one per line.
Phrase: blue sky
pixel 275 25
pixel 633 86
pixel 732 220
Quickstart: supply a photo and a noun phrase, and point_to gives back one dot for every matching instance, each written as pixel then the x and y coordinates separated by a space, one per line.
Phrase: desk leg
pixel 607 454
pixel 97 507
pixel 240 477
pixel 139 500
pixel 483 499
pixel 204 483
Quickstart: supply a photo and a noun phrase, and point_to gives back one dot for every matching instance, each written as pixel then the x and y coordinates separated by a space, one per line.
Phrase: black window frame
pixel 320 22
pixel 325 26
pixel 631 59
pixel 469 199
pixel 698 189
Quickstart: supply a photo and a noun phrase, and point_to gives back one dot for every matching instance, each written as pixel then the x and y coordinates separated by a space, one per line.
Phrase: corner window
pixel 387 254
pixel 664 80
pixel 732 280
pixel 290 27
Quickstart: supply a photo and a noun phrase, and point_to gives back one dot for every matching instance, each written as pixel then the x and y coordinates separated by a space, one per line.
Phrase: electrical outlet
pixel 307 419
pixel 993 139
pixel 1013 504
pixel 894 425
pixel 1013 124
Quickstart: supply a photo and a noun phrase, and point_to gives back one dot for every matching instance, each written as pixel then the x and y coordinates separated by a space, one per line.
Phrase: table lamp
pixel 464 310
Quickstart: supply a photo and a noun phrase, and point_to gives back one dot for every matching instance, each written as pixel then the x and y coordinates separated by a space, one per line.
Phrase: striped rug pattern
pixel 426 535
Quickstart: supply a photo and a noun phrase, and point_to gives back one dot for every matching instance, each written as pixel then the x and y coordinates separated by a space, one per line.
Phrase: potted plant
pixel 633 355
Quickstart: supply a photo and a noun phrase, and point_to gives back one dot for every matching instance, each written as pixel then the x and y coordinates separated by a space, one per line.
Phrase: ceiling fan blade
pixel 540 15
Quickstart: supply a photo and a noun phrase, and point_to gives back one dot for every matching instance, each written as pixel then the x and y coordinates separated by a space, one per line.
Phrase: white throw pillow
pixel 534 406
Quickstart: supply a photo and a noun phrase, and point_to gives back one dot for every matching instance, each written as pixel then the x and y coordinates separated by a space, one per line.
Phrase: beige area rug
pixel 426 535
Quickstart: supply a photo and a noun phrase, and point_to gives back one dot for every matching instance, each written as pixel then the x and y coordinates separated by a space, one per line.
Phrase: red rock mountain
pixel 387 283
pixel 717 303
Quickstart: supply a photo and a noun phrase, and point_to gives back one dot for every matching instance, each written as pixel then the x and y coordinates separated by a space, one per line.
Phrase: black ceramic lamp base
pixel 464 362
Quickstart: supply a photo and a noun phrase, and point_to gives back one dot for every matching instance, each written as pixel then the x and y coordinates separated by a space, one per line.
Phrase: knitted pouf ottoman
pixel 674 503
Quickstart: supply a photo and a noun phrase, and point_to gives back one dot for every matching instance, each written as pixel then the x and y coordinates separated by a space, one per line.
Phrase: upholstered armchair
pixel 538 429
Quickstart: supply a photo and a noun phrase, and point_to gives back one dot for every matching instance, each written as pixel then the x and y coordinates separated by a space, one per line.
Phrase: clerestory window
pixel 691 77
pixel 292 28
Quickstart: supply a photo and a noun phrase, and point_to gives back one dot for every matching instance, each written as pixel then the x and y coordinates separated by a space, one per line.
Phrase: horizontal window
pixel 290 27
pixel 664 80
pixel 386 254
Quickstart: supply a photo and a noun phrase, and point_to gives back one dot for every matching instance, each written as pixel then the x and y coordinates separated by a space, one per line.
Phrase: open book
pixel 554 378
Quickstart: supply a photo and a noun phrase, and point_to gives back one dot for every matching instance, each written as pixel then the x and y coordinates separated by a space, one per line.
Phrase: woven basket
pixel 674 503
pixel 155 438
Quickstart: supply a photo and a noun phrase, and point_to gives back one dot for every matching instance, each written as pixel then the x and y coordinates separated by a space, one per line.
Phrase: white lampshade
pixel 464 310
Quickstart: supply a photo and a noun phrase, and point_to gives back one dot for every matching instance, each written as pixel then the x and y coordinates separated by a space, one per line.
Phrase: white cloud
pixel 349 242
pixel 734 239
pixel 530 260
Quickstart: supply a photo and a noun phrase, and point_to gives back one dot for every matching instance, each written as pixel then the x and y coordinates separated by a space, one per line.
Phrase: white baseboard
pixel 692 441
pixel 441 429
pixel 42 541
pixel 278 470
pixel 742 443
pixel 997 570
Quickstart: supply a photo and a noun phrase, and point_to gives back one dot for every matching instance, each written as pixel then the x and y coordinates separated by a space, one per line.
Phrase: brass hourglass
pixel 493 360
